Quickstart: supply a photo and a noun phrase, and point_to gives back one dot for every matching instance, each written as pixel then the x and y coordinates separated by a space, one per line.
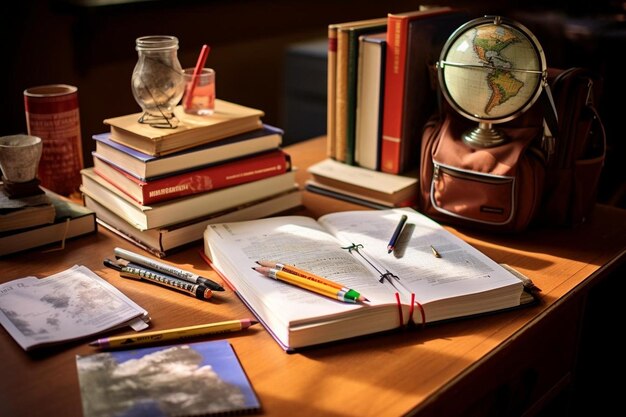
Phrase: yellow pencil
pixel 180 333
pixel 305 283
pixel 350 293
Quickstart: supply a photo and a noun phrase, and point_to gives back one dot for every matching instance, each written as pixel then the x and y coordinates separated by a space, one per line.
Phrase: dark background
pixel 91 44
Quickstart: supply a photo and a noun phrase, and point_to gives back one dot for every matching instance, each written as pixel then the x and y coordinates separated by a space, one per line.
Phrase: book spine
pixel 397 28
pixel 214 177
pixel 353 60
pixel 341 101
pixel 331 91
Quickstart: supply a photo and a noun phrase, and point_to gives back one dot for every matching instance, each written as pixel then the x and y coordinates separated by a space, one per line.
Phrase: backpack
pixel 546 173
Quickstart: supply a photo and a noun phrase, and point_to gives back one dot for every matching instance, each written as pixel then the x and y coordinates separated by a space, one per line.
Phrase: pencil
pixel 309 275
pixel 305 283
pixel 180 333
pixel 396 233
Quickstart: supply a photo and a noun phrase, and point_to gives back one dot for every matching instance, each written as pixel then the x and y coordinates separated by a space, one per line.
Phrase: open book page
pixel 234 249
pixel 462 281
pixel 68 305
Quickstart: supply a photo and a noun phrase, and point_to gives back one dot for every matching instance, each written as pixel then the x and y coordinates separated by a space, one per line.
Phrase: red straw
pixel 204 52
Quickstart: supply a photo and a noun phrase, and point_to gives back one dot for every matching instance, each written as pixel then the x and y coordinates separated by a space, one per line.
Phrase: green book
pixel 70 220
pixel 353 65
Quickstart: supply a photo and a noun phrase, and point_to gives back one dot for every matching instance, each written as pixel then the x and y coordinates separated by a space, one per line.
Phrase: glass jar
pixel 157 82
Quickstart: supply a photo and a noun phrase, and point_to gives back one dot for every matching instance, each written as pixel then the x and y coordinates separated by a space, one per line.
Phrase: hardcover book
pixel 163 241
pixel 228 119
pixel 414 42
pixel 431 276
pixel 71 220
pixel 347 59
pixel 195 379
pixel 369 100
pixel 27 211
pixel 147 167
pixel 334 67
pixel 378 187
pixel 222 175
pixel 182 209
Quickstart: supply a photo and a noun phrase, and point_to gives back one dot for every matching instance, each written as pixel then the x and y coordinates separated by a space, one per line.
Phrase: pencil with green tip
pixel 309 275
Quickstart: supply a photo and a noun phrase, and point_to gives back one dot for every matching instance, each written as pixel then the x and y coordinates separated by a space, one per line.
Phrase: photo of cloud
pixel 193 380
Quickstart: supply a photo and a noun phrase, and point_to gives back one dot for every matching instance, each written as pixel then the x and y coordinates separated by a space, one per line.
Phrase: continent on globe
pixel 503 86
pixel 488 43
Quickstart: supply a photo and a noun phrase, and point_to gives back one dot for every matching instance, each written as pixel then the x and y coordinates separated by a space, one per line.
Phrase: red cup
pixel 52 114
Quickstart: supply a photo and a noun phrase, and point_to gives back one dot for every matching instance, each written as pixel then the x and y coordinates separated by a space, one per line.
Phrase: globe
pixel 491 70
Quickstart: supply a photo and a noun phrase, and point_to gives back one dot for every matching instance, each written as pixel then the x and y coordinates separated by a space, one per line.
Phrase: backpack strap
pixel 550 120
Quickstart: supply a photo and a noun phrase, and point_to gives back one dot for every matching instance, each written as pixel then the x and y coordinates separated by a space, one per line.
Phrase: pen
pixel 130 270
pixel 180 333
pixel 350 293
pixel 396 233
pixel 168 269
pixel 305 283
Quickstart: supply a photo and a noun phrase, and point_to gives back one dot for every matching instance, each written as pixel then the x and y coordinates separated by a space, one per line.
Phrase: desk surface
pixel 395 373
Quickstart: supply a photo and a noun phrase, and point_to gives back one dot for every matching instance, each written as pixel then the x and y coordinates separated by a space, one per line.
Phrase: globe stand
pixel 483 136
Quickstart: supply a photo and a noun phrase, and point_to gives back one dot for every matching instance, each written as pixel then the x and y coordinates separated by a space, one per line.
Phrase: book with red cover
pixel 414 43
pixel 209 178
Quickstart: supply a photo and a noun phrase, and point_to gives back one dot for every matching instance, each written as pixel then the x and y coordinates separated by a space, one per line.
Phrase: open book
pixel 409 285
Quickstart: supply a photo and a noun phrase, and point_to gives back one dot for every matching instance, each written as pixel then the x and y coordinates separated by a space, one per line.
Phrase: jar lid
pixel 157 42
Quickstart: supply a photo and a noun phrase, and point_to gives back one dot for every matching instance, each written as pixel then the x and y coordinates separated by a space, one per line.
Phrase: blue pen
pixel 394 238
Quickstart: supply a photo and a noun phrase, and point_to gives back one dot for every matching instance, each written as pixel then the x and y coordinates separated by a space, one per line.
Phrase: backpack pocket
pixel 473 196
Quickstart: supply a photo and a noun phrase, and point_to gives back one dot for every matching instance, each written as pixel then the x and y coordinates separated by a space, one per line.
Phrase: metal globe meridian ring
pixel 491 70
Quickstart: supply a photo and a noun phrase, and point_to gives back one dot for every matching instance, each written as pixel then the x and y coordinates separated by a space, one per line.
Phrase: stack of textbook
pixel 160 188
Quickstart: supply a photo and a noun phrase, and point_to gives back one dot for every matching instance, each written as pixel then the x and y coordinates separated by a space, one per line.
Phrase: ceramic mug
pixel 19 157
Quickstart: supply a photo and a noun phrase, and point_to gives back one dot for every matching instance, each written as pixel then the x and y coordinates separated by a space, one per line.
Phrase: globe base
pixel 483 136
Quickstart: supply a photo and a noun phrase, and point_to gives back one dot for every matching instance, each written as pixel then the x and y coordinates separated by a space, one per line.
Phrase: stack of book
pixel 381 90
pixel 160 188
pixel 40 220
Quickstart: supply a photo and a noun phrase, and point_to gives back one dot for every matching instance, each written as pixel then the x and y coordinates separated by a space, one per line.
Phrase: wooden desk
pixel 500 364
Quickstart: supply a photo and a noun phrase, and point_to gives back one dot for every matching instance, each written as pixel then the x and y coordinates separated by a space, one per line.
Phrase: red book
pixel 414 42
pixel 209 178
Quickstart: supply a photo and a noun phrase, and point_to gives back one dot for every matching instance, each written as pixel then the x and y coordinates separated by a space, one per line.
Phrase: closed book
pixel 228 119
pixel 414 42
pixel 163 241
pixel 379 187
pixel 180 209
pixel 147 167
pixel 340 194
pixel 347 57
pixel 331 91
pixel 369 100
pixel 27 211
pixel 71 220
pixel 410 286
pixel 214 177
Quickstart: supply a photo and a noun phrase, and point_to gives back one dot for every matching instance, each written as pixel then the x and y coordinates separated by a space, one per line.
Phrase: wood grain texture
pixel 457 368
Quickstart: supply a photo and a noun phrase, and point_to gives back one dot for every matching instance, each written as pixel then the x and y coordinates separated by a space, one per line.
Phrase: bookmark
pixel 395 282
